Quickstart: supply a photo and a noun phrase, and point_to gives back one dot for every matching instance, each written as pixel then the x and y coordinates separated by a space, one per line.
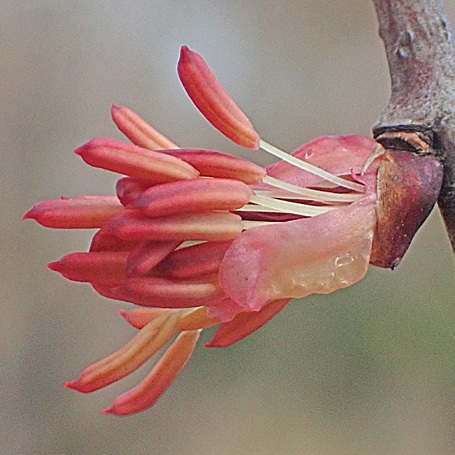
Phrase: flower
pixel 197 238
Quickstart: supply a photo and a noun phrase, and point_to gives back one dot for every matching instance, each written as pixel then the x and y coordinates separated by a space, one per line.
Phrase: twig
pixel 420 49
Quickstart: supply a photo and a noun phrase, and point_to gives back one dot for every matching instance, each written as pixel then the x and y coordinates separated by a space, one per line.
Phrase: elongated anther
pixel 138 131
pixel 191 319
pixel 244 324
pixel 154 288
pixel 161 377
pixel 135 161
pixel 211 163
pixel 127 359
pixel 195 195
pixel 194 260
pixel 147 255
pixel 104 267
pixel 197 319
pixel 103 240
pixel 140 317
pixel 129 189
pixel 144 299
pixel 215 226
pixel 212 100
pixel 85 212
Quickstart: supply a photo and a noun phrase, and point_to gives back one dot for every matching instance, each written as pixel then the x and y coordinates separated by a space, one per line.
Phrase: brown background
pixel 368 370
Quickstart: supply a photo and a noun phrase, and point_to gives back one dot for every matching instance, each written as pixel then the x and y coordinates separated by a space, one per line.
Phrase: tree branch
pixel 420 49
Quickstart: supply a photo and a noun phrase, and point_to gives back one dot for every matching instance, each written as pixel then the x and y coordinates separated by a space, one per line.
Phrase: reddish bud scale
pixel 138 131
pixel 211 163
pixel 212 100
pixel 196 195
pixel 135 161
pixel 105 268
pixel 85 212
pixel 408 188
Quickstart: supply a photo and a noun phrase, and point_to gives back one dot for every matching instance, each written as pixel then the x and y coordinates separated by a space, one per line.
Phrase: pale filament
pixel 291 207
pixel 311 168
pixel 315 195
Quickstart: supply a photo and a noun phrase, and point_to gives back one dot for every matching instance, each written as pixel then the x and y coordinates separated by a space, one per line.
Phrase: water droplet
pixel 344 260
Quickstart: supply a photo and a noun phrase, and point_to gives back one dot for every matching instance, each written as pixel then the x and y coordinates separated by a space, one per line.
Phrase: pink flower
pixel 197 238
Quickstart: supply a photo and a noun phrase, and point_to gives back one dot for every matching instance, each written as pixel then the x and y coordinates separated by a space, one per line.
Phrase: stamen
pixel 210 163
pixel 195 195
pixel 310 167
pixel 101 267
pixel 244 324
pixel 83 212
pixel 146 394
pixel 135 161
pixel 145 256
pixel 194 260
pixel 315 195
pixel 291 207
pixel 130 357
pixel 161 288
pixel 258 208
pixel 377 152
pixel 253 224
pixel 138 131
pixel 196 318
pixel 211 226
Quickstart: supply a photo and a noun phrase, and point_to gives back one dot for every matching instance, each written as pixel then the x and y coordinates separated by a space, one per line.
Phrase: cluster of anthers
pixel 197 238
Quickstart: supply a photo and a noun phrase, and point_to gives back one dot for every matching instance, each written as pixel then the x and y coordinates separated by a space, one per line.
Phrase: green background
pixel 367 370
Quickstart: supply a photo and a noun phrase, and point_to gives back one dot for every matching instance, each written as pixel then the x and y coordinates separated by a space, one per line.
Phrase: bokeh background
pixel 367 370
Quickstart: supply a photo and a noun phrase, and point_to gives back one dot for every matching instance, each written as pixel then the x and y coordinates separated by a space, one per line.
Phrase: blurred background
pixel 367 370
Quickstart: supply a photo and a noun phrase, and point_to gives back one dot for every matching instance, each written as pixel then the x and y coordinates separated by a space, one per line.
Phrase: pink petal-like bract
pixel 212 100
pixel 298 258
pixel 339 155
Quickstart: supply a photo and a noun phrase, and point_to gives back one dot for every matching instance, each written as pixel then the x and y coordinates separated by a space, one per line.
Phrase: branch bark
pixel 420 49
